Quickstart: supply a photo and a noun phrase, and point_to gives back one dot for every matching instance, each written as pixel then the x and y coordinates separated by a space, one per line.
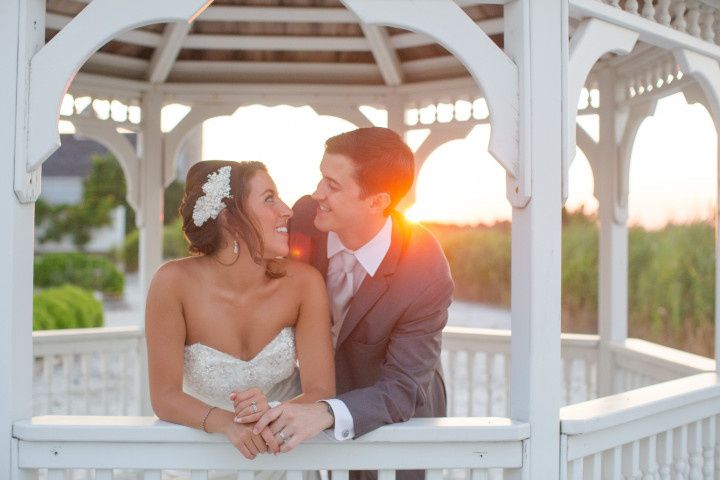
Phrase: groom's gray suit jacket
pixel 387 358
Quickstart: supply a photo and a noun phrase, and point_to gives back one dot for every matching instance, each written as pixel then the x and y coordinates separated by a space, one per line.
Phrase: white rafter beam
pixel 276 42
pixel 278 14
pixel 385 55
pixel 142 38
pixel 166 53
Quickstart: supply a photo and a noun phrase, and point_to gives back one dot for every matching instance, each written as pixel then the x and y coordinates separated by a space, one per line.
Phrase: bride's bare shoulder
pixel 176 271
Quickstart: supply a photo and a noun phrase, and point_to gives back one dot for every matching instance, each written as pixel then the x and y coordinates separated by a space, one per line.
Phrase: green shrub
pixel 174 245
pixel 91 272
pixel 130 251
pixel 66 306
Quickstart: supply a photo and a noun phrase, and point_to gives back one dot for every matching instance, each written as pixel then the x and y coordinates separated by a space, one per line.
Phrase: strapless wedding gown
pixel 211 375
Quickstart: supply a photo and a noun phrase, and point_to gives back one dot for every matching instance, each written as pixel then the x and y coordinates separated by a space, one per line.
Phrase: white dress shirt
pixel 369 257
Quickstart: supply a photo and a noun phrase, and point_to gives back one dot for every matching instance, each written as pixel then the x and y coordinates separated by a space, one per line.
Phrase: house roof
pixel 72 159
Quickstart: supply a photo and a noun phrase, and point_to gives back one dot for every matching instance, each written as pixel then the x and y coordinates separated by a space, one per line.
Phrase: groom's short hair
pixel 383 162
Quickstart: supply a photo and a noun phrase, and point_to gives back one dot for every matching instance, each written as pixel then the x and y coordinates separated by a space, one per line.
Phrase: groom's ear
pixel 380 201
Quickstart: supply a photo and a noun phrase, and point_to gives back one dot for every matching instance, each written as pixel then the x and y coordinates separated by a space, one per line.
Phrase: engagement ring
pixel 283 436
pixel 253 407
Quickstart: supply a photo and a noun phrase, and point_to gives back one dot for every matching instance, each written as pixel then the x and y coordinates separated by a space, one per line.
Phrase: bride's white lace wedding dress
pixel 211 375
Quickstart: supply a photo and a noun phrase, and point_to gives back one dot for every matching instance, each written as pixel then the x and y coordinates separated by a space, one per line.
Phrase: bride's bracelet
pixel 202 424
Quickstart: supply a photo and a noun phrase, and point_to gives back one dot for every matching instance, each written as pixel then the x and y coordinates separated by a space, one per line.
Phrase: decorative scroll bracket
pixel 593 39
pixel 489 66
pixel 633 118
pixel 706 71
pixel 53 68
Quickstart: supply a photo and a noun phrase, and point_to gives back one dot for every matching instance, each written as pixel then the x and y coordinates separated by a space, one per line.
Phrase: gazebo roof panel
pixel 276 28
pixel 274 56
pixel 275 41
pixel 281 3
pixel 126 50
pixel 65 7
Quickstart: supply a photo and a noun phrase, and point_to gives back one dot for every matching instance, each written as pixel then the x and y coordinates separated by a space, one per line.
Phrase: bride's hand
pixel 249 405
pixel 242 437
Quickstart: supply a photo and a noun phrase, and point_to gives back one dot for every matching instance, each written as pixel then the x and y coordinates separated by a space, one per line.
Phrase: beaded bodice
pixel 211 375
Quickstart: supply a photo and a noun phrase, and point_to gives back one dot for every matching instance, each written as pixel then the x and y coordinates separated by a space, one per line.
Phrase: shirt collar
pixel 370 255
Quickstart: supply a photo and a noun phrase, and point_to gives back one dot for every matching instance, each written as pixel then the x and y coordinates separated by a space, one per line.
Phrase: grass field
pixel 671 278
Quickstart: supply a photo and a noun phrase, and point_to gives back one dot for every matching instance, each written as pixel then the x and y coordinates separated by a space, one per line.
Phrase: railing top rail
pixel 451 332
pixel 151 430
pixel 607 412
pixel 87 334
pixel 641 348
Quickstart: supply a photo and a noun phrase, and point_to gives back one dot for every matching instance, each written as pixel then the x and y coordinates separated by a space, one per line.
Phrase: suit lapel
pixel 372 288
pixel 319 258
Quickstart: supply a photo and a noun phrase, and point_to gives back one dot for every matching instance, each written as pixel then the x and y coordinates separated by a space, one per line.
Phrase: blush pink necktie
pixel 340 288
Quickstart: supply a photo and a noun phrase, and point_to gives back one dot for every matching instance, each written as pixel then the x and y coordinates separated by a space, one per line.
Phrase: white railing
pixel 483 355
pixel 100 371
pixel 669 430
pixel 145 448
pixel 93 371
pixel 639 363
pixel 699 18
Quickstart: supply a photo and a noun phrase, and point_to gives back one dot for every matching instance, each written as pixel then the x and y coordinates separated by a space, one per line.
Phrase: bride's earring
pixel 236 247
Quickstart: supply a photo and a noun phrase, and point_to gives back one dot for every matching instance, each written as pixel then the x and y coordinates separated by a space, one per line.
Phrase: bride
pixel 234 316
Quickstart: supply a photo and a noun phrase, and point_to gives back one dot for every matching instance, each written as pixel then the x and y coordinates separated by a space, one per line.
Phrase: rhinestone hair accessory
pixel 211 204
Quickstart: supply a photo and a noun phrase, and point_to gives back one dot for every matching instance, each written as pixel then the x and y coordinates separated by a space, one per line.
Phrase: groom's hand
pixel 292 423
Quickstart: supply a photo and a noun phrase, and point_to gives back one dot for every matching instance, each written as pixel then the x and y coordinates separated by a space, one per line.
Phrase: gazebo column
pixel 150 219
pixel 21 34
pixel 613 253
pixel 150 222
pixel 535 35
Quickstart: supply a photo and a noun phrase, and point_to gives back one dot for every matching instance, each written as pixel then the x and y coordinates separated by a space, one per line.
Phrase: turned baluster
pixel 649 86
pixel 696 450
pixel 648 463
pixel 679 10
pixel 709 433
pixel 631 6
pixel 707 23
pixel 663 12
pixel 631 461
pixel 717 446
pixel 659 75
pixel 693 18
pixel 648 10
pixel 665 454
pixel 681 466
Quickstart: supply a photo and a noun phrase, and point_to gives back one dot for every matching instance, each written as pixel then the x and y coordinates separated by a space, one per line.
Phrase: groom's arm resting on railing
pixel 412 355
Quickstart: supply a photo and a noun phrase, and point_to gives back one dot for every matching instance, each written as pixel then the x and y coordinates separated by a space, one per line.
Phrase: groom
pixel 389 287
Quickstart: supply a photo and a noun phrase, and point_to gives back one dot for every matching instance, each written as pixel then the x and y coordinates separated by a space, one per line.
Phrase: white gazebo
pixel 638 411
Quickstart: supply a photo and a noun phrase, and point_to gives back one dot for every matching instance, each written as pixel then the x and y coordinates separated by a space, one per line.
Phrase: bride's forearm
pixel 187 410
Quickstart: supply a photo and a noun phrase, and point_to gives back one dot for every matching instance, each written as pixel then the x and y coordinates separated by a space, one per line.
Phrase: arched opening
pixel 672 200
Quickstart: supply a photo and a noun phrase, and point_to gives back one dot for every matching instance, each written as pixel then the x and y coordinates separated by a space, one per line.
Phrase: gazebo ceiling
pixel 275 41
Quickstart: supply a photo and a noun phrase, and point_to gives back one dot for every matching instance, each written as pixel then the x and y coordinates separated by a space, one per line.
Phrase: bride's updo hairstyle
pixel 207 238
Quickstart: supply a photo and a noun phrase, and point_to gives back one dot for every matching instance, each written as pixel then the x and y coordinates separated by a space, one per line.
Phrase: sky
pixel 672 177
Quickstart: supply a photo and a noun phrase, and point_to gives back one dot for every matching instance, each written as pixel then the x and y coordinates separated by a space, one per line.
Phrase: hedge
pixel 91 272
pixel 66 306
